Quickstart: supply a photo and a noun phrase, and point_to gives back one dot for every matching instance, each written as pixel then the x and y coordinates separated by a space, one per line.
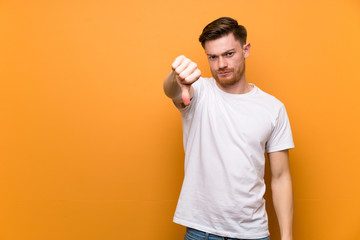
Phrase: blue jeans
pixel 193 234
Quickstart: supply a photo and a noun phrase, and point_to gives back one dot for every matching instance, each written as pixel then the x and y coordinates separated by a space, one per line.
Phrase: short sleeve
pixel 281 136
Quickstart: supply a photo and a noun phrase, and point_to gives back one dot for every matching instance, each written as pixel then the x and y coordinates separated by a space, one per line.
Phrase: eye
pixel 212 57
pixel 230 54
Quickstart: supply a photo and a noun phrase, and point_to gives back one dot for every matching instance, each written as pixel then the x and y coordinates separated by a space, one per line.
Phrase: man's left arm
pixel 281 185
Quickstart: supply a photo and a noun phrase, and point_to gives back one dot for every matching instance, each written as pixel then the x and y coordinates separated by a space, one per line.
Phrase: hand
pixel 186 73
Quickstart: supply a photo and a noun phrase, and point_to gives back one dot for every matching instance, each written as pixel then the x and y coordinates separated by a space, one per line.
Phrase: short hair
pixel 222 27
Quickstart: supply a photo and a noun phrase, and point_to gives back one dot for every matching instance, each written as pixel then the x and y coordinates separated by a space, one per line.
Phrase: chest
pixel 242 120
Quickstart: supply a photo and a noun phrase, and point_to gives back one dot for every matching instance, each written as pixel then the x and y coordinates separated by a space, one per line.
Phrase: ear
pixel 246 49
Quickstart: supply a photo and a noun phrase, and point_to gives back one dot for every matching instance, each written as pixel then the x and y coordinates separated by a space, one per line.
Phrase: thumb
pixel 185 94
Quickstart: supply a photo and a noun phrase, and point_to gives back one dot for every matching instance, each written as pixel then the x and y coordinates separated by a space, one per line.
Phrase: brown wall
pixel 90 148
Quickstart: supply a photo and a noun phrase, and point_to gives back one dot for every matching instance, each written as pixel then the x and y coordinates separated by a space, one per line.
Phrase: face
pixel 227 59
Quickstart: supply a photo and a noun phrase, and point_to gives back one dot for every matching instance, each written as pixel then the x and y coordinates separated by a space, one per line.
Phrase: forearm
pixel 171 87
pixel 283 203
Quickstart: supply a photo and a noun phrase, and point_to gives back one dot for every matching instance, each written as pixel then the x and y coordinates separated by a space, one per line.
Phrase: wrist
pixel 286 237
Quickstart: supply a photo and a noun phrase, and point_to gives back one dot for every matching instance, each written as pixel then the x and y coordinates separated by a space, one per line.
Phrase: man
pixel 227 126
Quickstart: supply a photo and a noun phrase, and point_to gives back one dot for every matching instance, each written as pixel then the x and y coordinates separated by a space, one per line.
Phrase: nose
pixel 222 62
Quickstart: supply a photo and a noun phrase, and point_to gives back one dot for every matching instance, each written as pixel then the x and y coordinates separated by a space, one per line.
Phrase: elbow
pixel 281 178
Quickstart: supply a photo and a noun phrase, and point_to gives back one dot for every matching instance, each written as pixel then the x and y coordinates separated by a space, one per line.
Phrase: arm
pixel 281 185
pixel 177 84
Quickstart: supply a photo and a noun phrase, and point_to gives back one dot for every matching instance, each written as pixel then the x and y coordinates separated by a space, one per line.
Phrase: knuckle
pixel 183 75
pixel 179 77
pixel 187 82
pixel 186 61
pixel 181 58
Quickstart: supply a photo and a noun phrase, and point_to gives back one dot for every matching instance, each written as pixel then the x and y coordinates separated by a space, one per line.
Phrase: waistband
pixel 200 235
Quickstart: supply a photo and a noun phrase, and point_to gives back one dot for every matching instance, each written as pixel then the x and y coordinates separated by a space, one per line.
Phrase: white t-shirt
pixel 225 136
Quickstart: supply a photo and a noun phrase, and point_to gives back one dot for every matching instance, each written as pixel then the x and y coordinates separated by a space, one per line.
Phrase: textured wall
pixel 90 148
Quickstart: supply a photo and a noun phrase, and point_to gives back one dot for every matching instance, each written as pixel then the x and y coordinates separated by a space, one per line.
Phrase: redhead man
pixel 228 125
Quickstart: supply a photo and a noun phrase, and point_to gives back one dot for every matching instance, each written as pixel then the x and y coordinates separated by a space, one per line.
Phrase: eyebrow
pixel 224 53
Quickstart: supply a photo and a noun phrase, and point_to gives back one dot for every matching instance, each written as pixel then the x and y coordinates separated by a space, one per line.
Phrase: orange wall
pixel 90 148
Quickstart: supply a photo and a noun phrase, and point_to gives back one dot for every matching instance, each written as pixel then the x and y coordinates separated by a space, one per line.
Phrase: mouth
pixel 224 73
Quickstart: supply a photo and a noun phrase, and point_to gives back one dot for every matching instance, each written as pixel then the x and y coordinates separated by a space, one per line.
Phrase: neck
pixel 240 87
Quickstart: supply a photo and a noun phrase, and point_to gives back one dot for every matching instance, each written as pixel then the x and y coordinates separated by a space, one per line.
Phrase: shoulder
pixel 269 104
pixel 268 96
pixel 268 99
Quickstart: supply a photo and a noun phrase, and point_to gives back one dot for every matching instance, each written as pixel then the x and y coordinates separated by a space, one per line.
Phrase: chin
pixel 226 82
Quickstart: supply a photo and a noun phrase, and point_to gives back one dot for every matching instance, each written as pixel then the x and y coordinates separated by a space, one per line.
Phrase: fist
pixel 186 73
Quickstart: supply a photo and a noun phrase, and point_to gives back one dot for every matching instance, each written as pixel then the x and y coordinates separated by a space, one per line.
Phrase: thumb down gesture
pixel 186 73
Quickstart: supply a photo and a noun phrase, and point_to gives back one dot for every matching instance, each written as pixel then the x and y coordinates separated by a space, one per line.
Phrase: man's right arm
pixel 177 84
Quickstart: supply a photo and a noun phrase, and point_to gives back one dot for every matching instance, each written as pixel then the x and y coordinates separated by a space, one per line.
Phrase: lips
pixel 224 70
pixel 223 73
